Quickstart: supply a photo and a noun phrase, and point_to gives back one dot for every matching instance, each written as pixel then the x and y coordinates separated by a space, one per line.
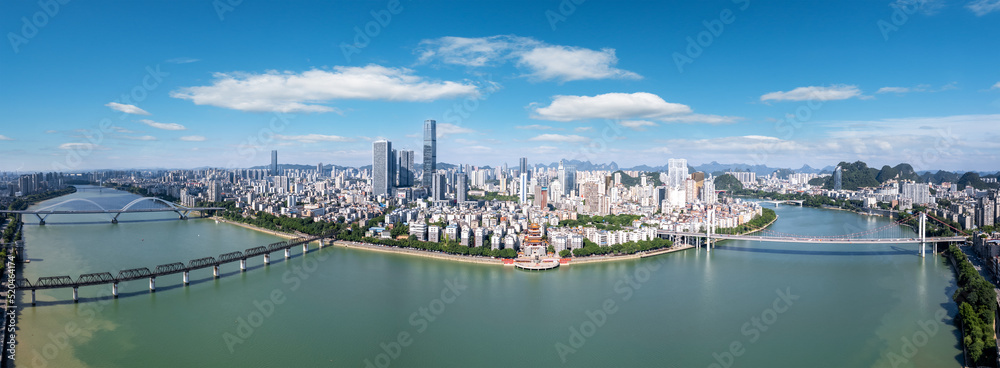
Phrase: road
pixel 980 265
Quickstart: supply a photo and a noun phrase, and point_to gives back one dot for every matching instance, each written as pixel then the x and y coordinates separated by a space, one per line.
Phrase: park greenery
pixel 758 222
pixel 632 247
pixel 609 222
pixel 728 183
pixel 652 178
pixel 976 298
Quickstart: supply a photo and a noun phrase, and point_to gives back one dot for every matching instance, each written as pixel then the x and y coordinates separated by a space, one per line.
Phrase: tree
pixel 728 183
pixel 565 253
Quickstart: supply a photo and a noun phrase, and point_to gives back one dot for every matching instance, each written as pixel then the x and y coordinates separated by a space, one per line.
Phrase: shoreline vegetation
pixel 976 301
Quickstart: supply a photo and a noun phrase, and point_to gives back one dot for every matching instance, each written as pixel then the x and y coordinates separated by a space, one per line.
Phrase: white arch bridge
pixel 144 204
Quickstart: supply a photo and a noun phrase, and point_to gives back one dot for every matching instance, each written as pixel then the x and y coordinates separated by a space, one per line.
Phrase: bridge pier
pixel 32 296
pixel 923 233
pixel 305 248
pixel 114 220
pixel 187 278
pixel 267 258
pixel 215 271
pixel 76 294
pixel 152 284
pixel 243 265
pixel 288 253
pixel 321 244
pixel 114 290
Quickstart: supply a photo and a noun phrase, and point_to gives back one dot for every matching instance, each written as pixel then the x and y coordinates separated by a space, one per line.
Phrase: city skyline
pixel 885 88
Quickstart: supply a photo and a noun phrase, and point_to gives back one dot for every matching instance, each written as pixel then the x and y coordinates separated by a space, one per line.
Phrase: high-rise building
pixel 708 194
pixel 837 178
pixel 461 187
pixel 430 152
pixel 677 172
pixel 319 169
pixel 214 191
pixel 567 177
pixel 382 177
pixel 438 187
pixel 524 167
pixel 404 176
pixel 918 192
pixel 524 186
pixel 274 162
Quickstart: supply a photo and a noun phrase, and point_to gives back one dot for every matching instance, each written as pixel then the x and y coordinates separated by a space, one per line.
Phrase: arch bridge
pixel 139 205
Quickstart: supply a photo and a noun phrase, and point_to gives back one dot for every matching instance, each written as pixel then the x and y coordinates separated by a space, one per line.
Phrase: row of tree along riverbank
pixel 977 302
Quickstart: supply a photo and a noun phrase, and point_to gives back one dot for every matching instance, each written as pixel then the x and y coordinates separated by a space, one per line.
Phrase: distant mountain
pixel 588 166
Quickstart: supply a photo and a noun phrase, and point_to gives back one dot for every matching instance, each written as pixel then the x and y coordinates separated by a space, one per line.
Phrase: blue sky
pixel 183 84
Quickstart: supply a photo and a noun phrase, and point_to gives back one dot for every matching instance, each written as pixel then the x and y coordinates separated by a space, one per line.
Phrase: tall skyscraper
pixel 837 175
pixel 430 152
pixel 677 172
pixel 381 168
pixel 438 187
pixel 567 177
pixel 461 187
pixel 319 169
pixel 524 167
pixel 404 176
pixel 524 186
pixel 274 162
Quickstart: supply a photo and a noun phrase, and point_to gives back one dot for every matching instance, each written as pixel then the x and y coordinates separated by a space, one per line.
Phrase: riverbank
pixel 417 252
pixel 260 229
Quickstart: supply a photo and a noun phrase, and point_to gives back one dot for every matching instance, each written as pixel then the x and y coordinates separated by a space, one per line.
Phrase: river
pixel 745 304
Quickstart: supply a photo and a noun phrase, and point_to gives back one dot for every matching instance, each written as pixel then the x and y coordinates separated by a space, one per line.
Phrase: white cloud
pixel 570 138
pixel 893 90
pixel 637 124
pixel 608 106
pixel 128 109
pixel 137 138
pixel 164 126
pixel 193 138
pixel 80 146
pixel 582 129
pixel 182 60
pixel 983 7
pixel 303 92
pixel 918 88
pixel 534 127
pixel 122 130
pixel 312 138
pixel 5 138
pixel 566 63
pixel 996 86
pixel 701 118
pixel 815 93
pixel 542 61
pixel 444 130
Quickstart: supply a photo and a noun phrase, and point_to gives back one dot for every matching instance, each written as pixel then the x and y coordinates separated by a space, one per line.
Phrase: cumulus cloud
pixel 193 138
pixel 983 7
pixel 5 138
pixel 640 105
pixel 566 138
pixel 541 60
pixel 288 91
pixel 996 86
pixel 164 126
pixel 313 138
pixel 637 124
pixel 128 109
pixel 815 93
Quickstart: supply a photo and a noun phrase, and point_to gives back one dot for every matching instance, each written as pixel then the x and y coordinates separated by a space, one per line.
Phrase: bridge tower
pixel 923 233
pixel 709 228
